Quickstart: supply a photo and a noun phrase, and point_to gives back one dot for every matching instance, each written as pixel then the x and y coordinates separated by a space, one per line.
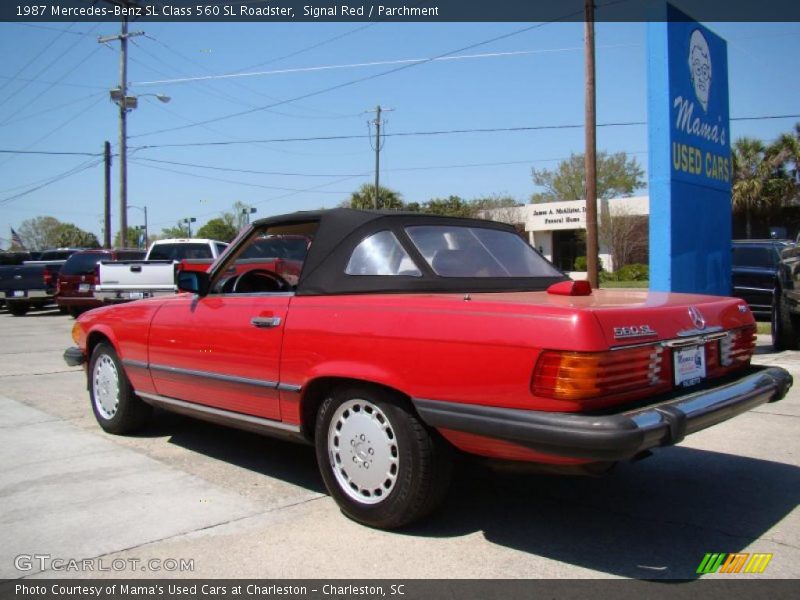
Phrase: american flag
pixel 16 240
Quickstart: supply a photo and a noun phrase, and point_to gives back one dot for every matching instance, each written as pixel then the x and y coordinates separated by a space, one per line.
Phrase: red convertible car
pixel 407 336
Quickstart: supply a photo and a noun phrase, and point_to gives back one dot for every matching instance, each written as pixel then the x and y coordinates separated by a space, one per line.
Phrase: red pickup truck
pixel 407 337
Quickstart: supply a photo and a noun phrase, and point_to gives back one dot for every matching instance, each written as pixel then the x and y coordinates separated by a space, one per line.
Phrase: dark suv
pixel 76 280
pixel 755 273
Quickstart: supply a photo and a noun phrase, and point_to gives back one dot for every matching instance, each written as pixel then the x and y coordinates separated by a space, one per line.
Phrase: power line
pixel 58 128
pixel 54 28
pixel 245 183
pixel 247 171
pixel 396 134
pixel 61 83
pixel 249 90
pixel 52 180
pixel 47 67
pixel 399 61
pixel 363 136
pixel 356 81
pixel 43 93
pixel 34 59
pixel 51 152
pixel 51 109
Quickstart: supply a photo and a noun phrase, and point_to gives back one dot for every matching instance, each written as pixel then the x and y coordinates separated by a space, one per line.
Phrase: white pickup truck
pixel 123 281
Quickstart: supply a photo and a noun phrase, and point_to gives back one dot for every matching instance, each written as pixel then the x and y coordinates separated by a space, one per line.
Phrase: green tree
pixel 761 183
pixel 363 199
pixel 452 206
pixel 218 229
pixel 617 175
pixel 39 233
pixel 492 202
pixel 133 239
pixel 180 230
pixel 67 234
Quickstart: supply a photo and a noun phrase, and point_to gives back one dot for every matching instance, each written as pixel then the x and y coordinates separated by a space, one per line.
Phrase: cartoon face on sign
pixel 700 67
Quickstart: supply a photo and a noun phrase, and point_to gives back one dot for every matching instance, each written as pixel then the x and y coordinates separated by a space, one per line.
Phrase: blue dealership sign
pixel 690 167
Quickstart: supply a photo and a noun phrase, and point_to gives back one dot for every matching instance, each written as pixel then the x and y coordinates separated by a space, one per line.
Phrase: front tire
pixel 380 463
pixel 114 403
pixel 785 330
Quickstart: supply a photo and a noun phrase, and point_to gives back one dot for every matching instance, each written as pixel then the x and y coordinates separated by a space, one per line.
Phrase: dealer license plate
pixel 136 295
pixel 84 287
pixel 689 365
pixel 19 294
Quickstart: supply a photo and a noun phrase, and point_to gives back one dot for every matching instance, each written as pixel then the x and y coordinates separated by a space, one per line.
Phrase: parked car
pixel 10 259
pixel 409 336
pixel 755 273
pixel 786 301
pixel 33 284
pixel 123 281
pixel 77 278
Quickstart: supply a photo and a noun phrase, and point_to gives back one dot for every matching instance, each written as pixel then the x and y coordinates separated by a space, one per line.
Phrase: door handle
pixel 265 322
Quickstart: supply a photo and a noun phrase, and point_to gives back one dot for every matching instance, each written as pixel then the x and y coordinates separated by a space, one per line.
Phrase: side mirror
pixel 195 282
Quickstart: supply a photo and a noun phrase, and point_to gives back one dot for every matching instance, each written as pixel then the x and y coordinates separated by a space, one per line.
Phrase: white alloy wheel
pixel 105 382
pixel 363 451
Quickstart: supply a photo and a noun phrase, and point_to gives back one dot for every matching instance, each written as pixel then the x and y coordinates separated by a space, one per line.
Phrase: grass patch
pixel 765 328
pixel 624 284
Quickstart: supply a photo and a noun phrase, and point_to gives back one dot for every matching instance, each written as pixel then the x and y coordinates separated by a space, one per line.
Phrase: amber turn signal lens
pixel 76 333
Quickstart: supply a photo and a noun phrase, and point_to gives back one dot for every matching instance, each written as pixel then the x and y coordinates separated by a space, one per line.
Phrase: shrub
pixel 580 263
pixel 634 272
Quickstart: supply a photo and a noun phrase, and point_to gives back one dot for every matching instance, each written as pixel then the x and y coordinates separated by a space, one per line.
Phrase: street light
pixel 126 103
pixel 189 221
pixel 144 210
pixel 247 212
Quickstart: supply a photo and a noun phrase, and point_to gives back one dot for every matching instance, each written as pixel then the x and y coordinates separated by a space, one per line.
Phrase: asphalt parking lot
pixel 239 505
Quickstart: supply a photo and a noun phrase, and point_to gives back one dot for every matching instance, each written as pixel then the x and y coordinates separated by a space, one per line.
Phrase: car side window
pixel 381 254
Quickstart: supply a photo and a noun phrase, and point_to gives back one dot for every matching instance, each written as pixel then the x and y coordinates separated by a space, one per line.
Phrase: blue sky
pixel 55 78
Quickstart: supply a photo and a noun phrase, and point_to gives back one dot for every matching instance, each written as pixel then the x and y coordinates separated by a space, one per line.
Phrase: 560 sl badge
pixel 633 331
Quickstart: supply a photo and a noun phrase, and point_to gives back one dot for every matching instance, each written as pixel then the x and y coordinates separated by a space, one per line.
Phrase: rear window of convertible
pixel 453 251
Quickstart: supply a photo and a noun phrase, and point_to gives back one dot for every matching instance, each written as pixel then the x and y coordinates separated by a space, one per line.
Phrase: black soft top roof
pixel 340 230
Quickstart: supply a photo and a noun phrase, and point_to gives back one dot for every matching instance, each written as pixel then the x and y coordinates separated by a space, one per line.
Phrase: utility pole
pixel 592 249
pixel 377 122
pixel 107 196
pixel 120 96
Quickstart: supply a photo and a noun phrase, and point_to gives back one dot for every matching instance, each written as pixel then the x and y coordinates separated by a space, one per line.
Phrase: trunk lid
pixel 627 317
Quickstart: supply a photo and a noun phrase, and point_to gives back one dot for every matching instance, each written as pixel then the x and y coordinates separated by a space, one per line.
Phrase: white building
pixel 553 227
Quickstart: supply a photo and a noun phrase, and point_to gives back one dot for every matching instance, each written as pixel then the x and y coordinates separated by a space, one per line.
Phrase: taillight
pixel 577 376
pixel 48 277
pixel 737 347
pixel 97 273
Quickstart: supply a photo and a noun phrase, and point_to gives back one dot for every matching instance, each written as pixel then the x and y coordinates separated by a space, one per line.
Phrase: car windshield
pixel 755 256
pixel 83 264
pixel 457 251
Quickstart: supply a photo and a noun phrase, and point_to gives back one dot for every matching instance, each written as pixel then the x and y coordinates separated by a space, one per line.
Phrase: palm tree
pixel 760 179
pixel 748 178
pixel 364 198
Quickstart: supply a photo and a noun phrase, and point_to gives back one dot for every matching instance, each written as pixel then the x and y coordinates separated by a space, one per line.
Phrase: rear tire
pixel 114 403
pixel 785 327
pixel 381 464
pixel 18 309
